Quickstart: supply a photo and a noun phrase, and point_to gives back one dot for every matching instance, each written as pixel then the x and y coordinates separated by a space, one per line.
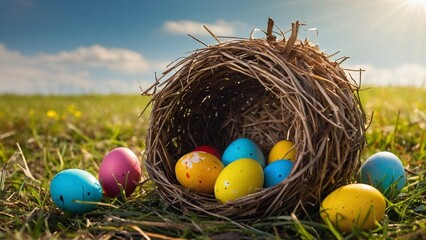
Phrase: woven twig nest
pixel 265 90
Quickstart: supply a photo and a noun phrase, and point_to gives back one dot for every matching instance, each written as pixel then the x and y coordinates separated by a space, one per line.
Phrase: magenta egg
pixel 119 167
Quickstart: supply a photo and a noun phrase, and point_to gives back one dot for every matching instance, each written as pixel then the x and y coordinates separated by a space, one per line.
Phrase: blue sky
pixel 81 46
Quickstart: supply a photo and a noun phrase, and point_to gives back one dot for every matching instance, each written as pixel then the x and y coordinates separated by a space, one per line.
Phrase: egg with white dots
pixel 75 191
pixel 239 179
pixel 197 171
pixel 243 148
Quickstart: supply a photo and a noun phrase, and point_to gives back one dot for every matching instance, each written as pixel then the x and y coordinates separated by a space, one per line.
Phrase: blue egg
pixel 243 148
pixel 276 172
pixel 71 185
pixel 385 172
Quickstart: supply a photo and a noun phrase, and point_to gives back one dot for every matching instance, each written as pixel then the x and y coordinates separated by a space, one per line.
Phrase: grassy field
pixel 40 136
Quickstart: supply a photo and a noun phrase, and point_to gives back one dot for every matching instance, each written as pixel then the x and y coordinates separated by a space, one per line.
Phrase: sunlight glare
pixel 417 3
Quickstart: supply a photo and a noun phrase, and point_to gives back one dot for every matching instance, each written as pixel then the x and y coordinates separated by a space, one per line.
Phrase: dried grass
pixel 265 90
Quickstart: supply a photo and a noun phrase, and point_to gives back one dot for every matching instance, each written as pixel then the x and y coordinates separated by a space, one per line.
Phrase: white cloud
pixel 97 69
pixel 121 60
pixel 93 69
pixel 403 75
pixel 219 27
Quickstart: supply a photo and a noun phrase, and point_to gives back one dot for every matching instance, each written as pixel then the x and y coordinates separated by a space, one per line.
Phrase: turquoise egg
pixel 384 171
pixel 75 190
pixel 276 172
pixel 243 148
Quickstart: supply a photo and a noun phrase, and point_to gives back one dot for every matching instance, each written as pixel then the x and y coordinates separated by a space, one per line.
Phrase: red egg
pixel 208 149
pixel 120 166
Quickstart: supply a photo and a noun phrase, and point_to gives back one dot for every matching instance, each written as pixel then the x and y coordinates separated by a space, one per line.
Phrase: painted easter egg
pixel 120 168
pixel 243 148
pixel 354 207
pixel 198 171
pixel 75 191
pixel 276 172
pixel 384 171
pixel 240 178
pixel 283 149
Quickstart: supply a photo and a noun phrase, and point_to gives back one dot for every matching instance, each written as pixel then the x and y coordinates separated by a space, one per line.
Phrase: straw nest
pixel 266 90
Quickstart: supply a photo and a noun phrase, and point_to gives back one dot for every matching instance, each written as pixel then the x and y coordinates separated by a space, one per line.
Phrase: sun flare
pixel 418 3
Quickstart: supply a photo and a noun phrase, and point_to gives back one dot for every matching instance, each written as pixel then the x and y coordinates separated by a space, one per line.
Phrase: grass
pixel 42 135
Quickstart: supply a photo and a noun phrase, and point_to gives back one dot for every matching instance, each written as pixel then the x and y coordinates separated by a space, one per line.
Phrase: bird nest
pixel 266 90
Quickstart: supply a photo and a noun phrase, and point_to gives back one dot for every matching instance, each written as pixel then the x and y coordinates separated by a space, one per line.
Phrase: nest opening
pixel 256 88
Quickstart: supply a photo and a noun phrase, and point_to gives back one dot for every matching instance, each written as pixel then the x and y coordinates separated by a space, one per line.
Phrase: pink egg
pixel 208 149
pixel 120 166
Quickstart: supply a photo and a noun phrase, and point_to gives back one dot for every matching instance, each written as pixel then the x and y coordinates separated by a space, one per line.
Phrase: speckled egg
pixel 75 191
pixel 243 148
pixel 384 171
pixel 276 172
pixel 240 178
pixel 354 206
pixel 198 171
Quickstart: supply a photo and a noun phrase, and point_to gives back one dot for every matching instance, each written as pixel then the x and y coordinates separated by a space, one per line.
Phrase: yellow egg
pixel 283 149
pixel 238 179
pixel 198 171
pixel 354 206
